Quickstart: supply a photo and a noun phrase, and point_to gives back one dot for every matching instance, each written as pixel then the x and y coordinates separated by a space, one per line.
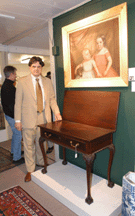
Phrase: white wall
pixel 22 69
pixel 3 62
pixel 6 134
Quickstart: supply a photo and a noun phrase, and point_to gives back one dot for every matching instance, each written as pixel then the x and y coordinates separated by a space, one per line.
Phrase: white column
pixel 52 66
pixel 3 63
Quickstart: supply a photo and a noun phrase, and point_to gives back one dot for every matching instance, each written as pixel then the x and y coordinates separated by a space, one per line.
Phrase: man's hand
pixel 58 117
pixel 18 126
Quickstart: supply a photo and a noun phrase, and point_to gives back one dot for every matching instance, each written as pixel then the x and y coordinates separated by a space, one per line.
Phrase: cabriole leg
pixel 64 162
pixel 112 151
pixel 89 164
pixel 41 143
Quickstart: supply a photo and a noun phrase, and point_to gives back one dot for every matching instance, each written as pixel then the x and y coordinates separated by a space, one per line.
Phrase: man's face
pixel 36 69
pixel 14 76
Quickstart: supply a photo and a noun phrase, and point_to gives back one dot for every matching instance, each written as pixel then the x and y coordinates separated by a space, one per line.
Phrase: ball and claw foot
pixel 44 171
pixel 110 184
pixel 89 200
pixel 64 162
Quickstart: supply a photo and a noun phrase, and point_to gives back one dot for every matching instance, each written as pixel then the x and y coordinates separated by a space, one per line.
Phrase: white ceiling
pixel 30 26
pixel 16 58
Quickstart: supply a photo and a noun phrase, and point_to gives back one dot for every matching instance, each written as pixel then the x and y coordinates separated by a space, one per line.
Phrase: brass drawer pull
pixel 49 135
pixel 74 146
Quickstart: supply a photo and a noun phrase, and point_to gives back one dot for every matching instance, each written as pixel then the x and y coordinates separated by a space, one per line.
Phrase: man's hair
pixel 35 59
pixel 8 70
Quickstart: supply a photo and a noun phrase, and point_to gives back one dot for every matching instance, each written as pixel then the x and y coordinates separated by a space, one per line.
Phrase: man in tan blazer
pixel 27 117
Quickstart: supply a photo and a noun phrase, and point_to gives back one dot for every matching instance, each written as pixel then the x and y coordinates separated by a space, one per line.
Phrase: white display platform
pixel 67 183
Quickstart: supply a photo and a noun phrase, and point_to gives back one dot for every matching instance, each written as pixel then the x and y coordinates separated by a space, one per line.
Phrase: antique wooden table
pixel 89 121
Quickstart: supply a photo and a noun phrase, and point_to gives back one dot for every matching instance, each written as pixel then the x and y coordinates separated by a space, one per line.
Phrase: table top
pixel 76 130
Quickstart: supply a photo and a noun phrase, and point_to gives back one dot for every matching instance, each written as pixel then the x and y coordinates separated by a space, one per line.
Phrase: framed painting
pixel 95 50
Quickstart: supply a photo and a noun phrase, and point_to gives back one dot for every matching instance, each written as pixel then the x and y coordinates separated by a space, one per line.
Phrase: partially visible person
pixel 85 69
pixel 103 60
pixel 33 108
pixel 8 91
pixel 48 74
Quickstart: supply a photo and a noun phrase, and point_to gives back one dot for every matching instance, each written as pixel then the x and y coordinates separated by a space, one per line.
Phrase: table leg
pixel 112 151
pixel 64 162
pixel 89 164
pixel 41 143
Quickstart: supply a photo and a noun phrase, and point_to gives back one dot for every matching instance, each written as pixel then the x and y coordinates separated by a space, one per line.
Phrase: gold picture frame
pixel 76 37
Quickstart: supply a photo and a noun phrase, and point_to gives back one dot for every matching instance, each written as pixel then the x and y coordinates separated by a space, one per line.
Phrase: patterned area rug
pixel 5 160
pixel 17 202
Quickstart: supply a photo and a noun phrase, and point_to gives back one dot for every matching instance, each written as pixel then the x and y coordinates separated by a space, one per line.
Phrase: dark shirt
pixel 8 97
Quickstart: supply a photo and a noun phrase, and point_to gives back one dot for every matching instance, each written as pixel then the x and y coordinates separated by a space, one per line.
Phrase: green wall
pixel 124 137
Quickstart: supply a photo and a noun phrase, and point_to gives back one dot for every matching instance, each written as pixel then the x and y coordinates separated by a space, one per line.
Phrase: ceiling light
pixel 7 16
pixel 25 61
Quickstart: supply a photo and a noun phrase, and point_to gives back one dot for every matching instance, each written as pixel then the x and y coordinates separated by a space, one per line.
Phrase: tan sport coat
pixel 26 104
